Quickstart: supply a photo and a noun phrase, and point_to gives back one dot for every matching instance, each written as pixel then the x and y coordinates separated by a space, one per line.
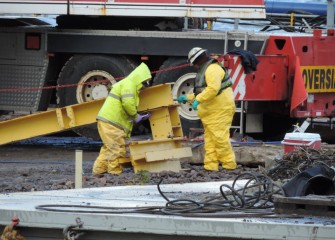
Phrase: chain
pixel 71 232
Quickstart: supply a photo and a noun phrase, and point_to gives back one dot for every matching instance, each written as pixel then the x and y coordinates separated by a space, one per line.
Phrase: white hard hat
pixel 195 53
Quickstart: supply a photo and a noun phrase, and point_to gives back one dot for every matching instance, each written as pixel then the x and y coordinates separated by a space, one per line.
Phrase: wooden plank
pixel 306 205
pixel 168 154
pixel 310 199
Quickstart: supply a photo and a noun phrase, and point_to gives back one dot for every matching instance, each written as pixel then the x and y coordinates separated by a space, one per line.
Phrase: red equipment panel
pixel 268 82
pixel 316 56
pixel 316 69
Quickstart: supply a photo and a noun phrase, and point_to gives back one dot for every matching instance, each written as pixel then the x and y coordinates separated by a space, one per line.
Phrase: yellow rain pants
pixel 217 137
pixel 112 150
pixel 216 114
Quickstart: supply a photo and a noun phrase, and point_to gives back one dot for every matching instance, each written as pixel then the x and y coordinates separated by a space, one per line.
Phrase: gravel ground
pixel 49 164
pixel 36 168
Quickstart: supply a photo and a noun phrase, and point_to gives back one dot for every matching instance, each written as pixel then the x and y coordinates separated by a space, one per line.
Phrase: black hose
pixel 236 202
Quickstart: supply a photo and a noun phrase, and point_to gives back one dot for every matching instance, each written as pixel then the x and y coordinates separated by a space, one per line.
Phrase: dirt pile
pixel 299 160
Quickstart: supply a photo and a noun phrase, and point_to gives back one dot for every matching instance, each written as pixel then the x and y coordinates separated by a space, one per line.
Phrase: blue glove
pixel 142 118
pixel 182 99
pixel 195 104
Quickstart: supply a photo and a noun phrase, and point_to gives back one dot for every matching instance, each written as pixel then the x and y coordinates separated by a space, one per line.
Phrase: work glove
pixel 182 99
pixel 195 104
pixel 141 118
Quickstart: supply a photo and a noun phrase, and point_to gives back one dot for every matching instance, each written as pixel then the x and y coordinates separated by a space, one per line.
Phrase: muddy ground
pixel 49 164
pixel 46 165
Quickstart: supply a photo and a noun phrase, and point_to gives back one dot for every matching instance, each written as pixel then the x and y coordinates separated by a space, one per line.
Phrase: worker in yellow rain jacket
pixel 116 118
pixel 213 98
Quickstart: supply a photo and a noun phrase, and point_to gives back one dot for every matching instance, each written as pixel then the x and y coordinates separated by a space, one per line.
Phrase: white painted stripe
pixel 240 87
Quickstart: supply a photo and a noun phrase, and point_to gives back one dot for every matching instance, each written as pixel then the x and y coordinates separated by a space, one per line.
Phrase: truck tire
pixel 184 82
pixel 85 69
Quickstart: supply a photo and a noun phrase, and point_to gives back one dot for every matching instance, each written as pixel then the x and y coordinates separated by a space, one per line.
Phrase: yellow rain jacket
pixel 216 110
pixel 120 107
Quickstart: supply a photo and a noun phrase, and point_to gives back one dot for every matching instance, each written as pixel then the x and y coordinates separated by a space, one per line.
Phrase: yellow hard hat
pixel 195 53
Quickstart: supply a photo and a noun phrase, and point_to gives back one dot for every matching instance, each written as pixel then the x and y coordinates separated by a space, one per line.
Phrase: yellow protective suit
pixel 116 118
pixel 216 114
pixel 112 150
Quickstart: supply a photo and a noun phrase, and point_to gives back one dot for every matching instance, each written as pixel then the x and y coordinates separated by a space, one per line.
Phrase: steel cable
pixel 85 83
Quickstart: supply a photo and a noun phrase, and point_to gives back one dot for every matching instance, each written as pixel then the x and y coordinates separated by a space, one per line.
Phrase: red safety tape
pixel 78 84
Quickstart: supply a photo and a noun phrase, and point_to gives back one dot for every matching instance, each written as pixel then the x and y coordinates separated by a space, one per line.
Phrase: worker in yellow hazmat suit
pixel 116 118
pixel 213 98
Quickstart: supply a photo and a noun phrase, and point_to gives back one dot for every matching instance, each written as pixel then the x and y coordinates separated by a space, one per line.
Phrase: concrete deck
pixel 112 224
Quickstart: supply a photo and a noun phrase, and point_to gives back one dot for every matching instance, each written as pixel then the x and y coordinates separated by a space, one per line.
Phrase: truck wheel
pixel 184 82
pixel 83 69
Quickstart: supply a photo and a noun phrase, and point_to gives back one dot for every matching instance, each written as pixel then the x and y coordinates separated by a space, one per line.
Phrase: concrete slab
pixel 110 224
pixel 119 196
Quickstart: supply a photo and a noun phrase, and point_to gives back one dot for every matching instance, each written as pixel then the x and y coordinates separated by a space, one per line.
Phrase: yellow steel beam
pixel 52 121
pixel 155 97
pixel 161 153
pixel 140 148
pixel 72 116
pixel 166 165
pixel 168 154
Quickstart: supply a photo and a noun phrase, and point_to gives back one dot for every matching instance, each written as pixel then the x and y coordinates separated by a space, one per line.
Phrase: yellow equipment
pixel 162 152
